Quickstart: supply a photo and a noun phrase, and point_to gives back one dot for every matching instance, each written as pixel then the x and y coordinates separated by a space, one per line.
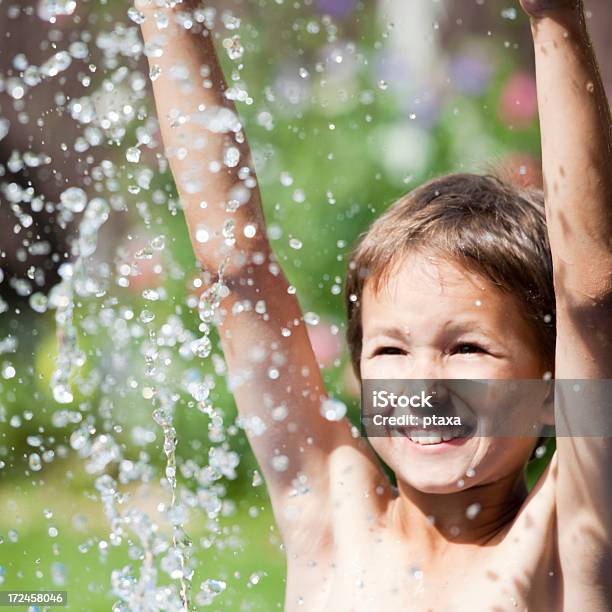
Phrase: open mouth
pixel 432 437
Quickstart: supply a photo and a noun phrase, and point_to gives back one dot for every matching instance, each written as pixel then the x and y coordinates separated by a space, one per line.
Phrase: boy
pixel 460 531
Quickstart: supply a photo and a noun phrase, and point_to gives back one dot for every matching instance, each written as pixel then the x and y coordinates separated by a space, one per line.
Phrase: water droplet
pixel 38 302
pixel 8 371
pixel 383 85
pixel 154 72
pixel 311 318
pixel 5 125
pixel 333 409
pixel 34 462
pixel 62 394
pixel 74 199
pixel 250 230
pixel 472 511
pixel 286 179
pixel 230 21
pixel 231 157
pixel 146 316
pixel 48 10
pixel 158 243
pixel 202 234
pixel 133 155
pixel 509 13
pixel 257 479
pixel 136 16
pixel 280 463
pixel 234 47
pixel 201 348
pixel 161 20
pixel 296 244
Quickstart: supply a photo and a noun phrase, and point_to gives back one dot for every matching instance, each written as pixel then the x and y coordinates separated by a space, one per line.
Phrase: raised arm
pixel 273 372
pixel 577 164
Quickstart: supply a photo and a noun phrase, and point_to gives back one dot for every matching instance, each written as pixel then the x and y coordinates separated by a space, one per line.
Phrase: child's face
pixel 435 320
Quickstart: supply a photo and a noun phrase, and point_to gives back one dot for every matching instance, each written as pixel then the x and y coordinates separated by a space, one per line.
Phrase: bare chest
pixel 374 571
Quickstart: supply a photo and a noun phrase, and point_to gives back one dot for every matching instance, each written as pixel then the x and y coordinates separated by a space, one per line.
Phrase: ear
pixel 547 415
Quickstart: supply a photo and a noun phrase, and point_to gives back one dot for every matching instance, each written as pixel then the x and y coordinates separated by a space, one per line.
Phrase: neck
pixel 471 516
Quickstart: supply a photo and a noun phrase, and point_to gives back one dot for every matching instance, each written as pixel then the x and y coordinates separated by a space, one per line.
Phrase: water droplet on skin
pixel 590 87
pixel 202 236
pixel 161 20
pixel 280 463
pixel 231 157
pixel 250 230
pixel 154 72
pixel 333 409
pixel 472 511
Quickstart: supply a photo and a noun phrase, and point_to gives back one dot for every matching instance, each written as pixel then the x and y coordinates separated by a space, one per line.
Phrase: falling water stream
pixel 85 278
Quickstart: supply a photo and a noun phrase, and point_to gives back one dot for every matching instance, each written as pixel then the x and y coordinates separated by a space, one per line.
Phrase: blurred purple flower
pixel 394 68
pixel 339 9
pixel 471 74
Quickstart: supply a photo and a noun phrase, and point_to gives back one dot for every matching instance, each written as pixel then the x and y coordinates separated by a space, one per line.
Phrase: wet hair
pixel 484 223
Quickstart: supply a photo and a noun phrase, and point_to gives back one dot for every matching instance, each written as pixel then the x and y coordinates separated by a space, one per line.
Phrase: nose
pixel 427 376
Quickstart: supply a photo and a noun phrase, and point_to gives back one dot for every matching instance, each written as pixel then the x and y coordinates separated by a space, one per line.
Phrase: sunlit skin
pixel 435 320
pixel 353 541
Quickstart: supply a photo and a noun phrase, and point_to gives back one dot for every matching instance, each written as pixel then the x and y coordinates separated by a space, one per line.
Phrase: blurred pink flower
pixel 519 102
pixel 326 345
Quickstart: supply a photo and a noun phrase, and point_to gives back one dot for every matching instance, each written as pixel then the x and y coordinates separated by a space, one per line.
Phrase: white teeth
pixel 426 438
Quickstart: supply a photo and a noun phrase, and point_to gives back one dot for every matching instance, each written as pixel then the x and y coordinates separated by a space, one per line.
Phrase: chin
pixel 439 470
pixel 435 483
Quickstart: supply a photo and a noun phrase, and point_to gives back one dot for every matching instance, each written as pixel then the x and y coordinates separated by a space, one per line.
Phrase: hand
pixel 536 8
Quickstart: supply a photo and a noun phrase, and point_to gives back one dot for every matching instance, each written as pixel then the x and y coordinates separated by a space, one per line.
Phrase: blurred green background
pixel 345 118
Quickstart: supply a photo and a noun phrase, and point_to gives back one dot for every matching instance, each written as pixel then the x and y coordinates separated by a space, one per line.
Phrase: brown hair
pixel 486 224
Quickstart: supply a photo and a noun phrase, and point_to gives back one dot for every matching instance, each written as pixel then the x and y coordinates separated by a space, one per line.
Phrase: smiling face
pixel 435 320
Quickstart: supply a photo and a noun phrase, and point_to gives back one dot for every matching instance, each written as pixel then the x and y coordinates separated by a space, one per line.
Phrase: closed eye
pixel 467 348
pixel 389 350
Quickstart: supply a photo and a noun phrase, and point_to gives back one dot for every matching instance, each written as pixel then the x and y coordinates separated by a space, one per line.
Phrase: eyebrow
pixel 393 331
